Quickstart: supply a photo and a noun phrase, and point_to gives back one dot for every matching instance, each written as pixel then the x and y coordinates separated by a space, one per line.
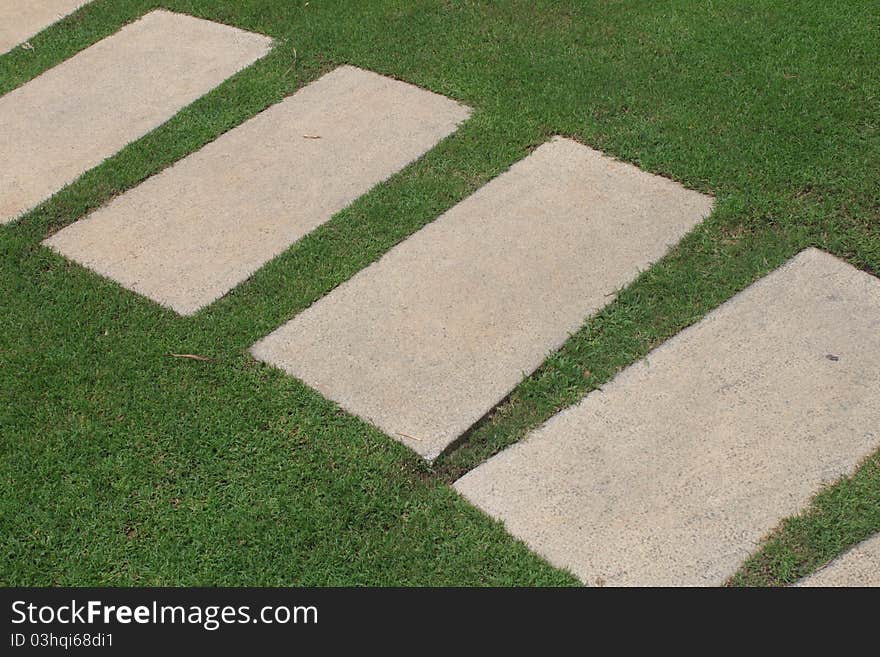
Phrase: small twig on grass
pixel 194 357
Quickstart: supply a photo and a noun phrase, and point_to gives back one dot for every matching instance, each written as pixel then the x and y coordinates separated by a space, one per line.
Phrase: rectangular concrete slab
pixel 860 566
pixel 71 118
pixel 428 339
pixel 22 19
pixel 672 473
pixel 190 234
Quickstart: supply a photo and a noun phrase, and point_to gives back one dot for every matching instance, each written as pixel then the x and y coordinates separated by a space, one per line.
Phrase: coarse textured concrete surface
pixel 673 472
pixel 72 117
pixel 22 19
pixel 858 567
pixel 425 341
pixel 191 233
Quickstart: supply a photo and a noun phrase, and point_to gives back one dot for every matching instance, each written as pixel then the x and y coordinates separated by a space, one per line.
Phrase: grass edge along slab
pixel 72 117
pixel 425 341
pixel 674 471
pixel 29 20
pixel 191 233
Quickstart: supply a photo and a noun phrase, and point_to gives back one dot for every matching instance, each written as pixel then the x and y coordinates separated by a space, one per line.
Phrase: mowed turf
pixel 122 464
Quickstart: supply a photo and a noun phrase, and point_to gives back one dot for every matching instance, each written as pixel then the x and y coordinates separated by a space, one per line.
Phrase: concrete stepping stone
pixel 71 118
pixel 428 339
pixel 675 470
pixel 860 566
pixel 22 19
pixel 190 234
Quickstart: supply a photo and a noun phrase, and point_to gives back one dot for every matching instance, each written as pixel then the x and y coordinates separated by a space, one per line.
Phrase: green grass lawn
pixel 122 465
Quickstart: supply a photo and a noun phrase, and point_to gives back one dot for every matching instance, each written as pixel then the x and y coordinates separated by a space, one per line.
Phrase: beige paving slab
pixel 676 469
pixel 190 234
pixel 425 341
pixel 860 566
pixel 22 19
pixel 72 117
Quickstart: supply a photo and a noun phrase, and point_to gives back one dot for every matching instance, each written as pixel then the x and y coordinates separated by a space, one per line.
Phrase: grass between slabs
pixel 124 465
